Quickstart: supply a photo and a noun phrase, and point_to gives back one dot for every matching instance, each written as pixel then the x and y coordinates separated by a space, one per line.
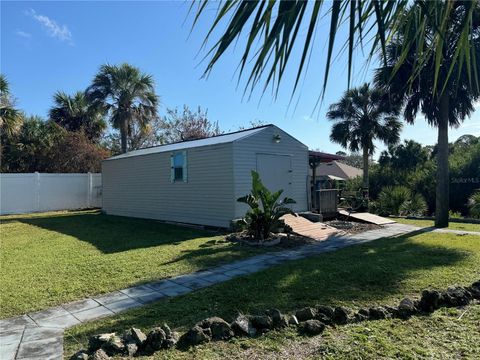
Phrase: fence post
pixel 89 189
pixel 37 190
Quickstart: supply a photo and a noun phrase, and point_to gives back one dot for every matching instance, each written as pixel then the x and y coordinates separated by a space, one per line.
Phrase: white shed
pixel 199 181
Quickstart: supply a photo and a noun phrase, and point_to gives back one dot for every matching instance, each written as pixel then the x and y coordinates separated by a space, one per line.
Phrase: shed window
pixel 178 162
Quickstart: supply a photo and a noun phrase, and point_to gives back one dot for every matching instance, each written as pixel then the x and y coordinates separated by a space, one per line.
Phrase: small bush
pixel 265 209
pixel 474 205
pixel 391 198
pixel 415 206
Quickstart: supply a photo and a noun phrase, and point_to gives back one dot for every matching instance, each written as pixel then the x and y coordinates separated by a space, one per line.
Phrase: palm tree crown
pixel 74 113
pixel 10 118
pixel 126 95
pixel 443 99
pixel 361 116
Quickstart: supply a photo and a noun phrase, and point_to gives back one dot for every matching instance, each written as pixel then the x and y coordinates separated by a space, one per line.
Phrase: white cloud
pixel 60 32
pixel 23 34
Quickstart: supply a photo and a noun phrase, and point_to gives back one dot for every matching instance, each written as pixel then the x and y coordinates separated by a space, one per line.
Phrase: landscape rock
pixel 292 320
pixel 362 315
pixel 475 290
pixel 306 313
pixel 392 310
pixel 279 320
pixel 194 336
pixel 95 342
pixel 114 346
pixel 154 340
pixel 311 327
pixel 377 313
pixel 171 340
pixel 341 315
pixel 99 354
pixel 80 355
pixel 325 314
pixel 166 329
pixel 242 326
pixel 262 322
pixel 456 296
pixel 131 348
pixel 219 328
pixel 134 335
pixel 406 308
pixel 430 300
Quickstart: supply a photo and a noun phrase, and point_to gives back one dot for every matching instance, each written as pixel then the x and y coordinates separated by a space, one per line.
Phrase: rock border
pixel 309 321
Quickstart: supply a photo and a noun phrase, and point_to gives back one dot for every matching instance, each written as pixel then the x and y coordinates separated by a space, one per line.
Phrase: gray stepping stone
pixel 8 351
pixel 61 322
pixel 216 278
pixel 111 298
pixel 123 305
pixel 93 313
pixel 185 278
pixel 236 272
pixel 176 290
pixel 80 305
pixel 146 299
pixel 10 337
pixel 197 283
pixel 48 314
pixel 41 349
pixel 40 333
pixel 138 291
pixel 15 323
pixel 161 285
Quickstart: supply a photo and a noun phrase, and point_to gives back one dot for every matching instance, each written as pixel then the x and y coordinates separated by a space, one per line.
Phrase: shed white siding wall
pixel 140 186
pixel 245 156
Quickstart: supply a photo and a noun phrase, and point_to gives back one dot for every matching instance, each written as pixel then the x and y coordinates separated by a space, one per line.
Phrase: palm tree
pixel 10 118
pixel 275 27
pixel 126 95
pixel 361 116
pixel 444 106
pixel 74 113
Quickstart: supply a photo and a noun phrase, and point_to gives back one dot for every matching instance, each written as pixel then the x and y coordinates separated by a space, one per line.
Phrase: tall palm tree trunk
pixel 124 135
pixel 365 172
pixel 443 178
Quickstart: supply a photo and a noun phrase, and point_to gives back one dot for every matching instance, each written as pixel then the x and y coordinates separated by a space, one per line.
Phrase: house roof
pixel 339 169
pixel 187 144
pixel 324 157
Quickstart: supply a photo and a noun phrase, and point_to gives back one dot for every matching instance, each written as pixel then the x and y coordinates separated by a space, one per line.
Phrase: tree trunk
pixel 365 173
pixel 443 178
pixel 123 136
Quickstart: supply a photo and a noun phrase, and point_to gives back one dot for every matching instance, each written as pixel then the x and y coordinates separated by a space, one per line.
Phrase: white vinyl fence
pixel 33 192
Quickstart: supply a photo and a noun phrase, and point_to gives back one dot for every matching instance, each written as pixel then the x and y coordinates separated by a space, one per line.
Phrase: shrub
pixel 474 205
pixel 415 206
pixel 266 210
pixel 391 198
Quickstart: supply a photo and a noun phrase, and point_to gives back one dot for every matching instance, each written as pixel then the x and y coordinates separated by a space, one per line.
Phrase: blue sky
pixel 50 46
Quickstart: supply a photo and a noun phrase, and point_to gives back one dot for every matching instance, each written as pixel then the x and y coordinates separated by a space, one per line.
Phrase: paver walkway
pixel 39 335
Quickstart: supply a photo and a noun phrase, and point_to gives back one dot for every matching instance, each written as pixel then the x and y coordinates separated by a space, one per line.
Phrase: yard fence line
pixel 35 192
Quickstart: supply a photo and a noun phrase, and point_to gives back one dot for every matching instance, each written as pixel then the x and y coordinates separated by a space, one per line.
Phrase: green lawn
pixel 381 272
pixel 51 258
pixel 452 225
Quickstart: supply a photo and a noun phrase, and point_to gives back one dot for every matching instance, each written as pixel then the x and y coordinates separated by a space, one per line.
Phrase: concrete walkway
pixel 39 335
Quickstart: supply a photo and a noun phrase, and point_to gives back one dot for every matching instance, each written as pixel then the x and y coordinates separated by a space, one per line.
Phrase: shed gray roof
pixel 219 139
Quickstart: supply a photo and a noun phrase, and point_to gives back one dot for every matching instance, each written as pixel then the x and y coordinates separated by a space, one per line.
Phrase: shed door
pixel 275 172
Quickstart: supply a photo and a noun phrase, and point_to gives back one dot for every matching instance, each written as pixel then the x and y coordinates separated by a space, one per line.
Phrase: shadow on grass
pixel 111 234
pixel 369 273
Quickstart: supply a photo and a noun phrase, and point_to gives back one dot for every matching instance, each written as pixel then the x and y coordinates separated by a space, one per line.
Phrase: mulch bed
pixel 276 240
pixel 351 227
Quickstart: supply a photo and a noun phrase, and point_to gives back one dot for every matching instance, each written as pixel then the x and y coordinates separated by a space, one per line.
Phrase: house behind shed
pixel 199 181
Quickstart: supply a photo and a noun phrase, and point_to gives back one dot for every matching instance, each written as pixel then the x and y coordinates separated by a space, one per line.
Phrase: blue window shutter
pixel 185 167
pixel 172 169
